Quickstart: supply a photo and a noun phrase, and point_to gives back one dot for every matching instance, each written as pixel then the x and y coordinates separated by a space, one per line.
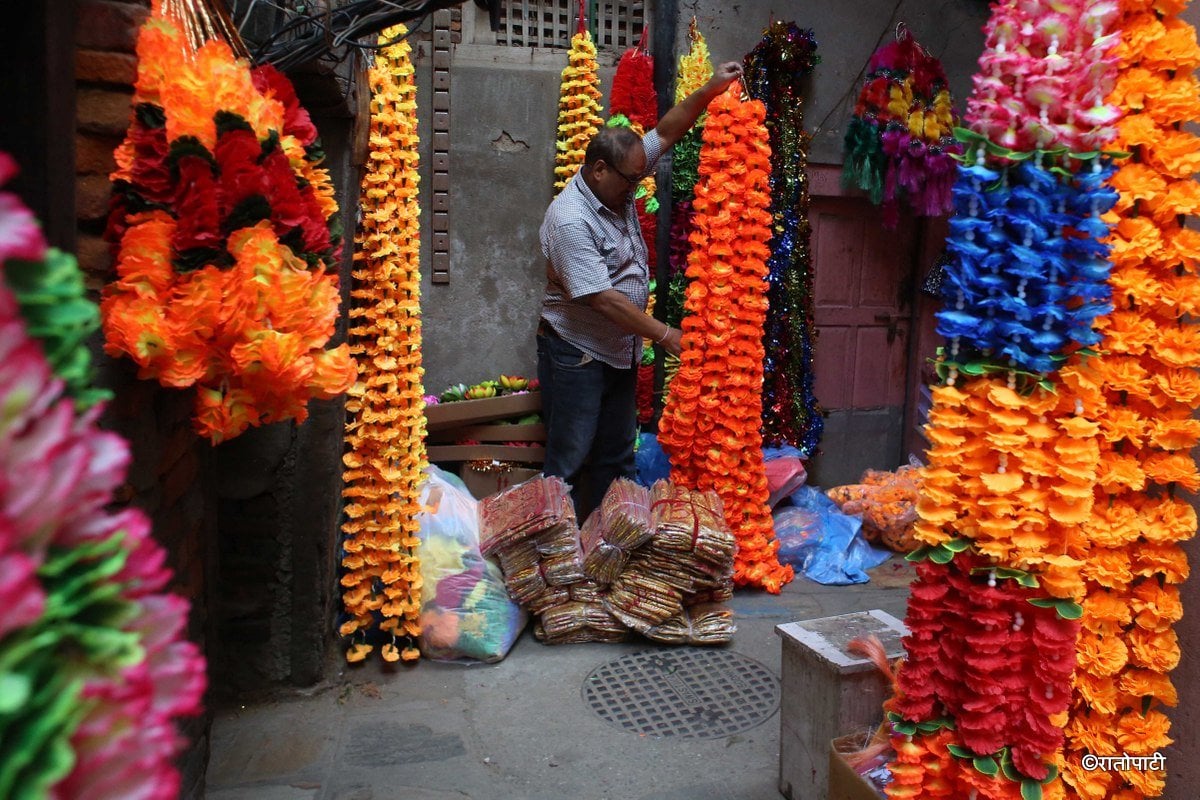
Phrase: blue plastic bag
pixel 652 463
pixel 821 542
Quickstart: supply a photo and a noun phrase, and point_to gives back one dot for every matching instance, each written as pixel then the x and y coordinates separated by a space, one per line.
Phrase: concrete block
pixel 827 692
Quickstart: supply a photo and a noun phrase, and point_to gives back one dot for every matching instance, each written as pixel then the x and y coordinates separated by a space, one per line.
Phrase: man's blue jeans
pixel 590 411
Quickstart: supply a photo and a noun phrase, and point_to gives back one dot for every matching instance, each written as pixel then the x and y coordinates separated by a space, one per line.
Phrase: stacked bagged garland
pixel 385 430
pixel 658 562
pixel 775 73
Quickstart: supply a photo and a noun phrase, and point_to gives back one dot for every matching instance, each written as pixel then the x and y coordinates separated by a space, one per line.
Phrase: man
pixel 593 313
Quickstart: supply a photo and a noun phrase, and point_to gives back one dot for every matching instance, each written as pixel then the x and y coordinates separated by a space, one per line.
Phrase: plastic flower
pixel 385 430
pixel 578 106
pixel 711 424
pixel 226 158
pixel 899 144
pixel 78 579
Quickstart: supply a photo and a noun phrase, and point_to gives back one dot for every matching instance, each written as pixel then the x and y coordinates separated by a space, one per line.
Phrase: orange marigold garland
pixel 1134 562
pixel 222 219
pixel 711 426
pixel 578 105
pixel 385 433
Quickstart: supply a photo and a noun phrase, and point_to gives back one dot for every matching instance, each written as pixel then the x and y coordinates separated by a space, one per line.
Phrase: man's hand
pixel 724 75
pixel 675 123
pixel 672 342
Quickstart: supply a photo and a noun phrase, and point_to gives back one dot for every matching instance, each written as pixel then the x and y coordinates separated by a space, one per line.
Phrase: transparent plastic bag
pixel 466 613
pixel 823 543
pixel 887 504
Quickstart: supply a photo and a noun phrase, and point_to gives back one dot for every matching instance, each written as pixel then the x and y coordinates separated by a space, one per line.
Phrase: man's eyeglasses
pixel 634 181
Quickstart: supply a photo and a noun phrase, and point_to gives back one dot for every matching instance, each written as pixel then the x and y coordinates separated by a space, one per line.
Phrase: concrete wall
pixel 503 117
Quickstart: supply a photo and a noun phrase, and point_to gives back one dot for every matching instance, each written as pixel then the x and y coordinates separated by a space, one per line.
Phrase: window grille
pixel 552 23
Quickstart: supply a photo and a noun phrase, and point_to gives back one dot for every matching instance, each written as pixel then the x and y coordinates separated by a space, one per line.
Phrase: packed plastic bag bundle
pixel 620 524
pixel 887 503
pixel 702 624
pixel 466 612
pixel 576 622
pixel 691 551
pixel 817 539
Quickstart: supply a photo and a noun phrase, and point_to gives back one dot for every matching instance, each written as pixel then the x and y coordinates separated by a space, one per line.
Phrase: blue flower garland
pixel 1028 273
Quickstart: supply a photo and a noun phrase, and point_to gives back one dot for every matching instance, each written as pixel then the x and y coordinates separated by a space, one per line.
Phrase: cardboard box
pixel 468 412
pixel 844 782
pixel 485 484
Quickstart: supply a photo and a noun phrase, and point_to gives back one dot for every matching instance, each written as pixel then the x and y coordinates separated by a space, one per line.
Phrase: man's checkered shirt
pixel 590 248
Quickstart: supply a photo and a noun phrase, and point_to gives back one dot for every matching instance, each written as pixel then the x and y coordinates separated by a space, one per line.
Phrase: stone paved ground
pixel 515 730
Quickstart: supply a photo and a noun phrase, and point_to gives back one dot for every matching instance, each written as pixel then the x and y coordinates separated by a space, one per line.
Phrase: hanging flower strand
pixel 711 425
pixel 634 102
pixel 385 432
pixel 578 105
pixel 1133 562
pixel 900 141
pixel 1015 445
pixel 775 71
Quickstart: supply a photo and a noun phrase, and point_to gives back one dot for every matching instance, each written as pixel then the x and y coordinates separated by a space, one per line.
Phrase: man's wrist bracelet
pixel 663 338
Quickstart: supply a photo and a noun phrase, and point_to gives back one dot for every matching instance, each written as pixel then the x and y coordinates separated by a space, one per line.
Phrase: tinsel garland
pixel 775 71
pixel 900 140
pixel 578 106
pixel 94 664
pixel 227 234
pixel 1148 393
pixel 1015 455
pixel 385 430
pixel 692 72
pixel 711 425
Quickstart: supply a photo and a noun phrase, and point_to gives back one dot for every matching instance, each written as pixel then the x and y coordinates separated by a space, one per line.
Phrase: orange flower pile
pixel 1134 563
pixel 711 426
pixel 578 107
pixel 385 434
pixel 223 285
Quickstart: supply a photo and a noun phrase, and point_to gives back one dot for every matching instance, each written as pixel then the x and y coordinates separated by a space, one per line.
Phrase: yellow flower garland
pixel 386 431
pixel 695 66
pixel 578 109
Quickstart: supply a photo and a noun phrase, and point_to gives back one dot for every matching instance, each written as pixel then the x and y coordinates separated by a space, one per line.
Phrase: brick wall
pixel 167 477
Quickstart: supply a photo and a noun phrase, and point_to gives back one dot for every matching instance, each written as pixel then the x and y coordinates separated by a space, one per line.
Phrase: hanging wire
pixel 330 31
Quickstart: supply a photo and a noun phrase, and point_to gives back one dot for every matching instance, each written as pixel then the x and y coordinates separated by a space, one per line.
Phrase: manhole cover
pixel 692 693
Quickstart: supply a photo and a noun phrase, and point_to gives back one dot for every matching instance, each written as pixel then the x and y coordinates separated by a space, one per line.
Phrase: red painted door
pixel 864 282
